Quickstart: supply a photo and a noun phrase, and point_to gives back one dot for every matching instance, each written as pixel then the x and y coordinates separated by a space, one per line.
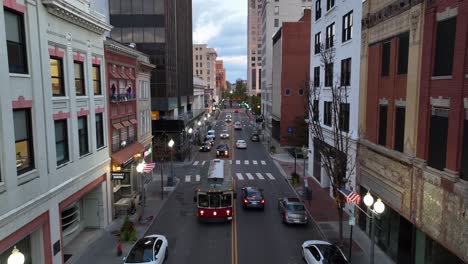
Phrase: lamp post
pixel 190 131
pixel 199 131
pixel 376 209
pixel 304 156
pixel 170 182
pixel 206 130
pixel 16 257
pixel 139 169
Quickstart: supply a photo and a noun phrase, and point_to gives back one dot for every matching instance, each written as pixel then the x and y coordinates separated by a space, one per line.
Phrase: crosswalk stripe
pixel 263 162
pixel 197 177
pixel 270 176
pixel 255 162
pixel 230 161
pixel 203 163
pixel 187 178
pixel 237 162
pixel 246 162
pixel 249 176
pixel 260 176
pixel 195 163
pixel 239 176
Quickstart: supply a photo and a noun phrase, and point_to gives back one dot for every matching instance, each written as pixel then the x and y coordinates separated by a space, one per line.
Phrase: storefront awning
pixel 124 75
pixel 130 75
pixel 117 126
pixel 133 121
pixel 125 154
pixel 126 123
pixel 115 75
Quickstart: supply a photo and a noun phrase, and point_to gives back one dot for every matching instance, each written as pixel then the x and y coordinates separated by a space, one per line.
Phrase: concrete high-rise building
pixel 204 66
pixel 273 14
pixel 254 47
pixel 220 77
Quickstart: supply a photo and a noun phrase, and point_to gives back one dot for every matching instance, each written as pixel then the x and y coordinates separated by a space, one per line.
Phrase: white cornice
pixel 84 18
pixel 113 46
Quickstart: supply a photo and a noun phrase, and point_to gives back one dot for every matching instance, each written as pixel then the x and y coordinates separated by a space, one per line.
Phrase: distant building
pixel 254 47
pixel 204 66
pixel 220 77
pixel 291 63
pixel 199 94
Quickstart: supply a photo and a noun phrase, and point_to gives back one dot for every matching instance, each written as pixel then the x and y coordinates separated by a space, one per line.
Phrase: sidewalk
pixel 323 210
pixel 102 247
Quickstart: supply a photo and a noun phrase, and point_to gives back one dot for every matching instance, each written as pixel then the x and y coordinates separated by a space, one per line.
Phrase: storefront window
pixel 70 219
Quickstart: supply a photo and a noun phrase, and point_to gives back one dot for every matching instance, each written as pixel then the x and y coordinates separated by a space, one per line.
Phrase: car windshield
pixel 240 141
pixel 222 147
pixel 142 251
pixel 331 254
pixel 214 200
pixel 225 132
pixel 295 207
pixel 206 144
pixel 254 194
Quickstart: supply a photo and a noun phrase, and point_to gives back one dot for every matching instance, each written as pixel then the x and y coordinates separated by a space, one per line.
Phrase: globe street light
pixel 190 143
pixel 199 123
pixel 139 169
pixel 16 257
pixel 376 208
pixel 169 182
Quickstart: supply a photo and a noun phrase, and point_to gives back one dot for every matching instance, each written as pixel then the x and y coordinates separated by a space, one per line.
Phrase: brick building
pixel 220 77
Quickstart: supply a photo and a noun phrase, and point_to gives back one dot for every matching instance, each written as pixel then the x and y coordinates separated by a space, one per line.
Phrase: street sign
pixel 352 220
pixel 121 175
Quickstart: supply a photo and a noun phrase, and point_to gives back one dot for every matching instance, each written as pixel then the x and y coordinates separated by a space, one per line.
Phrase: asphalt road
pixel 255 237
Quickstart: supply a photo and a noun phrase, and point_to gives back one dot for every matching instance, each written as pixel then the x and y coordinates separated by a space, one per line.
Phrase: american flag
pixel 148 167
pixel 351 197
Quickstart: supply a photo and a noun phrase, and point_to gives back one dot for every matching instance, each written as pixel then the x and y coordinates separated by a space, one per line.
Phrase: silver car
pixel 292 211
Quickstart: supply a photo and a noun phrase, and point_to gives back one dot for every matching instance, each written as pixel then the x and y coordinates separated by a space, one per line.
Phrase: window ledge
pixel 27 177
pixel 448 77
pixel 63 165
pixel 347 42
pixel 101 148
pixel 20 75
pixel 98 96
pixel 82 97
pixel 330 10
pixel 86 155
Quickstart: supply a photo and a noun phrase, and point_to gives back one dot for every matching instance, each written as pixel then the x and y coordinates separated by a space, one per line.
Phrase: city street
pixel 253 236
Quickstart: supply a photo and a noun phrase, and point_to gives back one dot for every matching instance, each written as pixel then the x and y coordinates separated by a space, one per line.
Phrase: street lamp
pixel 16 257
pixel 139 169
pixel 190 131
pixel 376 208
pixel 169 182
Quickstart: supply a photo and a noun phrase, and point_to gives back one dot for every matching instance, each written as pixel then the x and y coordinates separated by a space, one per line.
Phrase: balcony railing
pixel 117 98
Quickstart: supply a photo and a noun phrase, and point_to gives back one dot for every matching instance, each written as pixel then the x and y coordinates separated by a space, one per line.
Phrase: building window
pixel 196 64
pixel 385 59
pixel 23 140
pixel 403 52
pixel 276 10
pixel 347 32
pixel 115 140
pixel 317 76
pixel 201 64
pixel 399 128
pixel 346 72
pixel 301 92
pixel 16 43
pixel 344 117
pixel 438 133
pixel 330 4
pixel 327 113
pixel 99 131
pixel 83 135
pixel 61 141
pixel 317 43
pixel 315 110
pixel 445 43
pixel 318 9
pixel 464 161
pixel 329 75
pixel 330 36
pixel 287 92
pixel 56 75
pixel 383 125
pixel 79 78
pixel 97 79
pixel 70 218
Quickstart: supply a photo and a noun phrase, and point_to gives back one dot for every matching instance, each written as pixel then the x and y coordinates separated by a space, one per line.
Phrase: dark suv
pixel 252 197
pixel 222 150
pixel 292 211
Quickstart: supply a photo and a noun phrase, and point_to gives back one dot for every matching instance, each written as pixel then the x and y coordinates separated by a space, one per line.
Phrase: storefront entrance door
pixel 91 212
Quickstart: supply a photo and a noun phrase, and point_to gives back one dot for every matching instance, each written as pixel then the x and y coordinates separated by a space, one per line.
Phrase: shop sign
pixel 121 175
pixel 125 163
pixel 149 151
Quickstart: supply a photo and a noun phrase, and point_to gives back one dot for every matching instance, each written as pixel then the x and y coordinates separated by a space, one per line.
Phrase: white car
pixel 152 249
pixel 211 133
pixel 224 134
pixel 322 252
pixel 241 144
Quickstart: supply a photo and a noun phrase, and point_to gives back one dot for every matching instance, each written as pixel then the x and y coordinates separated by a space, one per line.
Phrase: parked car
pixel 241 144
pixel 206 146
pixel 255 138
pixel 322 252
pixel 224 134
pixel 237 125
pixel 292 211
pixel 209 140
pixel 222 150
pixel 252 197
pixel 152 249
pixel 211 133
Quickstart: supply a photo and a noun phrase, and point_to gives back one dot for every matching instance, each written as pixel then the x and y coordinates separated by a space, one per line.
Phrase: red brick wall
pixel 295 70
pixel 454 88
pixel 391 87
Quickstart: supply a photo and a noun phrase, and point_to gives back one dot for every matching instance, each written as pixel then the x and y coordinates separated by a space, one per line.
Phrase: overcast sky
pixel 222 24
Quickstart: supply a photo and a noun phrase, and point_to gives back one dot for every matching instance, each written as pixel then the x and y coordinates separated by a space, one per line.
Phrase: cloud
pixel 205 33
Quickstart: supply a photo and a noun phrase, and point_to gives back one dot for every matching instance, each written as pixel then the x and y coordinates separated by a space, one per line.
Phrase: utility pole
pixel 162 179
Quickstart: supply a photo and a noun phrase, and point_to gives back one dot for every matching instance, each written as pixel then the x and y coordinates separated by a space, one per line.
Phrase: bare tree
pixel 333 142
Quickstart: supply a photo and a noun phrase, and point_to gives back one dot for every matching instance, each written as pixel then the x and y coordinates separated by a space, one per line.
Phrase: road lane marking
pixel 239 176
pixel 269 175
pixel 197 177
pixel 260 176
pixel 246 162
pixel 230 162
pixel 195 163
pixel 255 162
pixel 249 175
pixel 237 162
pixel 203 163
pixel 263 162
pixel 187 178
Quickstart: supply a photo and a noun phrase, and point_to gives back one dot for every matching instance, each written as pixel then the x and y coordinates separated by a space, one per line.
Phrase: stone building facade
pixel 424 220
